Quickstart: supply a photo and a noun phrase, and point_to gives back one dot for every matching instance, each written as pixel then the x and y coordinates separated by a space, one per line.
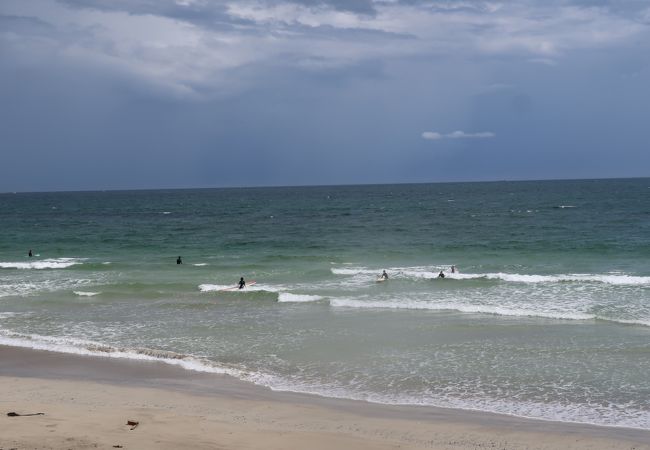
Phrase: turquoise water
pixel 548 317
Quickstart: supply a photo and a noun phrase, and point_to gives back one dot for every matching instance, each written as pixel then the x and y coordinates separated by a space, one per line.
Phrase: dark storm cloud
pixel 143 93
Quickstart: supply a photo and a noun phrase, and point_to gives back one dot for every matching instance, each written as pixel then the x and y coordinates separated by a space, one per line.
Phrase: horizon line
pixel 280 186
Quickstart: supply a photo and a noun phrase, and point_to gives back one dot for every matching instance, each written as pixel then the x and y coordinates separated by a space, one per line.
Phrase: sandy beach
pixel 87 401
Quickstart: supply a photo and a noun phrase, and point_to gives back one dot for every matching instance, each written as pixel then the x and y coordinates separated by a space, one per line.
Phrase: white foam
pixel 214 287
pixel 288 297
pixel 53 263
pixel 5 315
pixel 85 294
pixel 645 323
pixel 607 278
pixel 432 273
pixel 80 347
pixel 22 288
pixel 477 309
pixel 614 279
pixel 351 271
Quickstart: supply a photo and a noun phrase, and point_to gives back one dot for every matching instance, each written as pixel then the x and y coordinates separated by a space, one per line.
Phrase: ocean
pixel 548 316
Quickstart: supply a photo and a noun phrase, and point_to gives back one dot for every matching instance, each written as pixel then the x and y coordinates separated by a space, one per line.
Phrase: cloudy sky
pixel 118 94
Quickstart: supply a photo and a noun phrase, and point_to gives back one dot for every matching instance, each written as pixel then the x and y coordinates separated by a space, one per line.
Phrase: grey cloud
pixel 205 14
pixel 213 14
pixel 137 98
pixel 355 6
pixel 28 25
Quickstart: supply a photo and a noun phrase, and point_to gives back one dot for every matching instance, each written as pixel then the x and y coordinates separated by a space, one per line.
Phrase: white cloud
pixel 163 46
pixel 431 135
pixel 434 135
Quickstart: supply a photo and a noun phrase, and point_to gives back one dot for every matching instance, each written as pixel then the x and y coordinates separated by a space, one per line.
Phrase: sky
pixel 139 94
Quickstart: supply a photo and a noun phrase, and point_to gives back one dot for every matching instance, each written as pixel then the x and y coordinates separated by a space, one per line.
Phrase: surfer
pixel 242 283
pixel 30 254
pixel 384 275
pixel 453 269
pixel 179 260
pixel 441 275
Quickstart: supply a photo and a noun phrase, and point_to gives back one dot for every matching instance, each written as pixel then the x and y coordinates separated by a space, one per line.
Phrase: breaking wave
pixel 53 263
pixel 298 298
pixel 617 279
pixel 85 293
pixel 478 309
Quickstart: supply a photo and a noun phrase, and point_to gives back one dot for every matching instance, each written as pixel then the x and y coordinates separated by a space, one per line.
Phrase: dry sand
pixel 87 402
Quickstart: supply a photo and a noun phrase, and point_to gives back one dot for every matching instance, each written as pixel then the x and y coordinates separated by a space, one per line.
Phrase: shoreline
pixel 177 407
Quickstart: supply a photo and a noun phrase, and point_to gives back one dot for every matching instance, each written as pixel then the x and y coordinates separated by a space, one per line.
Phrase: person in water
pixel 30 254
pixel 453 269
pixel 179 260
pixel 242 283
pixel 441 275
pixel 384 275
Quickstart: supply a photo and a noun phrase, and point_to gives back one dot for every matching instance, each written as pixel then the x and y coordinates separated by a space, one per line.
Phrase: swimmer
pixel 441 275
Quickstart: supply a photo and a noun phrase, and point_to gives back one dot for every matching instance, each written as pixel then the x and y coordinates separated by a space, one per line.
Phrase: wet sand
pixel 88 400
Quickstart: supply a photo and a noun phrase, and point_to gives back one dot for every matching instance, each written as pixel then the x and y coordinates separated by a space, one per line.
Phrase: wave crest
pixel 617 279
pixel 85 293
pixel 298 298
pixel 53 263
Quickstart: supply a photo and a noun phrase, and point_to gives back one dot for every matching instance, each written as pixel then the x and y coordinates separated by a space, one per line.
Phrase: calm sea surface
pixel 548 317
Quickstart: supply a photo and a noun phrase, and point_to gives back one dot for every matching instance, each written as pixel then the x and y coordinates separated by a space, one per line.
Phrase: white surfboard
pixel 236 288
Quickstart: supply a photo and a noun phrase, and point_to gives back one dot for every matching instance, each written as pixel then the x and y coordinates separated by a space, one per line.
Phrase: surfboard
pixel 236 288
pixel 380 279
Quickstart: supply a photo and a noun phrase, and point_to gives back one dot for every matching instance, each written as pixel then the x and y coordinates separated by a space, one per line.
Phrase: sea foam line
pixel 54 263
pixel 5 315
pixel 89 348
pixel 479 309
pixel 287 297
pixel 35 287
pixel 428 273
pixel 214 287
pixel 518 278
